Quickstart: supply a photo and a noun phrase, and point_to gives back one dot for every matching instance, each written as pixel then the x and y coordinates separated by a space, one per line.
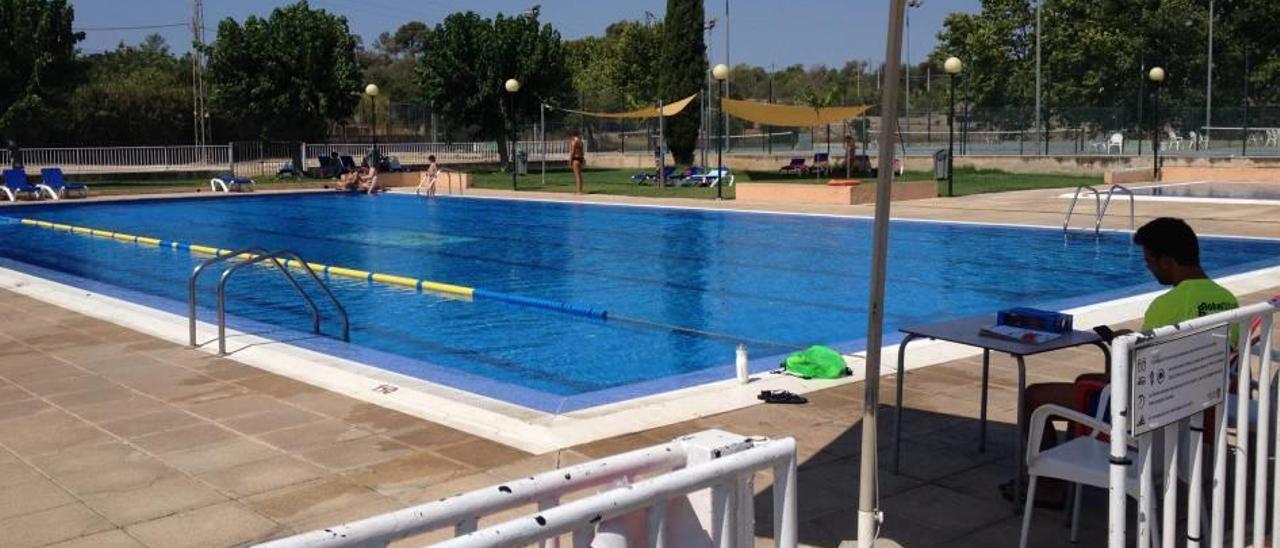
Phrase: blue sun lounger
pixel 57 186
pixel 231 184
pixel 15 184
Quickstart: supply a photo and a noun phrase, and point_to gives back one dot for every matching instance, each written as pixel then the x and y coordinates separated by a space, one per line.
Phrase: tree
pixel 684 62
pixel 134 95
pixel 288 76
pixel 38 68
pixel 468 58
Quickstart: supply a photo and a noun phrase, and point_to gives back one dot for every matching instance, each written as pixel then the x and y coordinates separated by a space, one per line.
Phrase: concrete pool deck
pixel 110 437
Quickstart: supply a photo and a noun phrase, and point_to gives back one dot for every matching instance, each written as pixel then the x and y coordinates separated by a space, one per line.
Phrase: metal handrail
pixel 272 256
pixel 1100 206
pixel 258 255
pixel 1097 198
pixel 195 273
pixel 342 310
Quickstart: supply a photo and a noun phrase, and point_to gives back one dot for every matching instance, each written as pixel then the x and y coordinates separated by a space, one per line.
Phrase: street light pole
pixel 953 66
pixel 720 73
pixel 1038 128
pixel 1157 76
pixel 372 91
pixel 512 86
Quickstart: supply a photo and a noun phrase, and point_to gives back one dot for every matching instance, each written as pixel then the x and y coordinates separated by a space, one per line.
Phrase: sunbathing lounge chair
pixel 821 163
pixel 57 186
pixel 15 184
pixel 328 167
pixel 711 178
pixel 232 184
pixel 668 173
pixel 348 163
pixel 796 166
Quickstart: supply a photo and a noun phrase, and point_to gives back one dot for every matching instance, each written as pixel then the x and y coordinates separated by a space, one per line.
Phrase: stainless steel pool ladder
pixel 258 255
pixel 1100 205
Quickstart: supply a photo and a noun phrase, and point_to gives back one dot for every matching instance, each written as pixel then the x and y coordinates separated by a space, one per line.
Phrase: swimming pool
pixel 1213 191
pixel 681 287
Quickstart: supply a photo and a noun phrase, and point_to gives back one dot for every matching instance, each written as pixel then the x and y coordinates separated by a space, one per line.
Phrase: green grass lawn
pixel 618 181
pixel 597 181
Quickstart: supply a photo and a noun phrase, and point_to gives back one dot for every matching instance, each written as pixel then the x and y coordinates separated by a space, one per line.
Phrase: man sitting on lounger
pixel 1172 252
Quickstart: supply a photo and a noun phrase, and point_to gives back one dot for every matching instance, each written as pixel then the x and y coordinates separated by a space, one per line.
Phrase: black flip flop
pixel 781 396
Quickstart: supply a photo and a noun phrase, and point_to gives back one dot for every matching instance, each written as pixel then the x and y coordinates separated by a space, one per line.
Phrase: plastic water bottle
pixel 741 363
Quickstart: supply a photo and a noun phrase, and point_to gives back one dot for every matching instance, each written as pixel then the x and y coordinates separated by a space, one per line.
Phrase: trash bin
pixel 522 162
pixel 940 164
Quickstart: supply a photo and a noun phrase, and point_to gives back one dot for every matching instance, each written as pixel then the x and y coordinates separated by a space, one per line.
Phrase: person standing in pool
pixel 427 184
pixel 577 157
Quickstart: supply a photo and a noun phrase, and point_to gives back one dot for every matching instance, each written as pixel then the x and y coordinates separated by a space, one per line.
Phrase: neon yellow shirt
pixel 1189 299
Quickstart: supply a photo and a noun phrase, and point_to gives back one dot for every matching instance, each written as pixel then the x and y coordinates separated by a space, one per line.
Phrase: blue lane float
pixel 535 302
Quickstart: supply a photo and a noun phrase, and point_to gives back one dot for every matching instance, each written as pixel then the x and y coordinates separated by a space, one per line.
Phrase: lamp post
pixel 512 86
pixel 1156 76
pixel 372 91
pixel 953 66
pixel 720 73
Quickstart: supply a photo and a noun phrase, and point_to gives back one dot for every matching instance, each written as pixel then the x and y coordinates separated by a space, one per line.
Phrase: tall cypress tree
pixel 684 64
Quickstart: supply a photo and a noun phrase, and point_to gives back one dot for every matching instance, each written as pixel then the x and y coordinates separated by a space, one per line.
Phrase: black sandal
pixel 781 396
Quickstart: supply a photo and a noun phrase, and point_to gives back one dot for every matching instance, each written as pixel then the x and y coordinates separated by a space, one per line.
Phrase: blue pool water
pixel 1214 189
pixel 682 287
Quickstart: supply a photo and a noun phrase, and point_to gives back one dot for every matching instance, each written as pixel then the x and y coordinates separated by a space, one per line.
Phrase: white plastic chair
pixel 1116 140
pixel 1173 141
pixel 1081 461
pixel 1273 138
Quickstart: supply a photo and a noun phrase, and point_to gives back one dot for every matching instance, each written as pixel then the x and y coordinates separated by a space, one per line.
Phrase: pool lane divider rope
pixel 343 272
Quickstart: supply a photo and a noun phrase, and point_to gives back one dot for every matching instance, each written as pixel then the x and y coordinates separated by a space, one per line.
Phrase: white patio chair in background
pixel 1117 141
pixel 1273 138
pixel 1173 141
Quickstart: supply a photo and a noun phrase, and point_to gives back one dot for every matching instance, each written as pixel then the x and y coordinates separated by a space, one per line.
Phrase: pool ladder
pixel 1100 205
pixel 251 256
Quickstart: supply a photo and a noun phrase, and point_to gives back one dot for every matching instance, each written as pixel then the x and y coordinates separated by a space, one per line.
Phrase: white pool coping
pixel 519 427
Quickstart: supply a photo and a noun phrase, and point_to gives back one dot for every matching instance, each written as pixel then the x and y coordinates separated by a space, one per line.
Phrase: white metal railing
pixel 126 159
pixel 678 476
pixel 417 153
pixel 1251 408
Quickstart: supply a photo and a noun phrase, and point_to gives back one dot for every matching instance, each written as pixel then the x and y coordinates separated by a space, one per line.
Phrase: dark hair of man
pixel 1170 237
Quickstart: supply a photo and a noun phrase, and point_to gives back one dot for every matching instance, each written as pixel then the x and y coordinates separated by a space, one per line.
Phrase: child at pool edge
pixel 1172 254
pixel 369 180
pixel 429 178
pixel 577 157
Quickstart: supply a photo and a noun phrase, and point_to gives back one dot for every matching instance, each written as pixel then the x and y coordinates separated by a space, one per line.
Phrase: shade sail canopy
pixel 649 112
pixel 789 115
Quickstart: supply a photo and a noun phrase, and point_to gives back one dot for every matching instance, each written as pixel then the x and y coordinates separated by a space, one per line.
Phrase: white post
pixel 1242 439
pixel 1264 426
pixel 868 512
pixel 1121 354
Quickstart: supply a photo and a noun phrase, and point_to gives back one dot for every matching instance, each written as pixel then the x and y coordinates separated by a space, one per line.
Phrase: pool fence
pixel 1151 378
pixel 696 490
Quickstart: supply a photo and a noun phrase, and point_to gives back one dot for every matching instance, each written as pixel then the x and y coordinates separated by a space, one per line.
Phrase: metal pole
pixel 868 519
pixel 1038 3
pixel 1208 79
pixel 1155 134
pixel 1244 137
pixel 662 147
pixel 768 137
pixel 719 149
pixel 951 134
pixel 542 121
pixel 728 144
pixel 511 100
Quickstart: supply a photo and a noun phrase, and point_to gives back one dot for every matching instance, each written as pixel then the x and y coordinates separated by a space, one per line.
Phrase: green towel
pixel 818 362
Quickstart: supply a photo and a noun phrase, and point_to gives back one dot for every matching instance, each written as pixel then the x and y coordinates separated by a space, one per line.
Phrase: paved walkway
pixel 109 437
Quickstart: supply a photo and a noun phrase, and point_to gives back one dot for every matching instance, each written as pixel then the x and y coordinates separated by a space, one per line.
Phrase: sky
pixel 762 32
